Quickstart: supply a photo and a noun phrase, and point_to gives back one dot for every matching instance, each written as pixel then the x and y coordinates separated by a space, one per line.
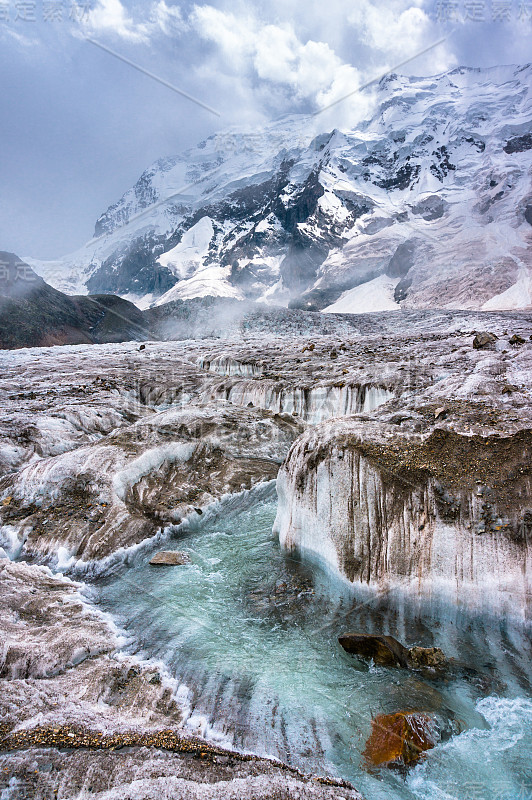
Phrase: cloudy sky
pixel 79 125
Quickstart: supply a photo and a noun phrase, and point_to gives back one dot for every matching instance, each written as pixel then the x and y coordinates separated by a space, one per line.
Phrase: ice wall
pixel 312 404
pixel 227 365
pixel 377 528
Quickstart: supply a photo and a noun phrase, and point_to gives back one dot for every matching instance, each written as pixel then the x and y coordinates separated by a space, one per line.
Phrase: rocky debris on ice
pixel 103 447
pixel 432 506
pixel 105 450
pixel 483 340
pixel 124 488
pixel 141 773
pixel 60 662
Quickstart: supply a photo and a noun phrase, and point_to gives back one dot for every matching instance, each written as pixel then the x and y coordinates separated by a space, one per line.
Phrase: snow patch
pixel 188 256
pixel 517 296
pixel 375 295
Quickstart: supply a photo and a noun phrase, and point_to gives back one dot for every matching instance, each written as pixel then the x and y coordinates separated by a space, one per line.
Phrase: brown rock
pixel 399 740
pixel 384 650
pixel 169 558
pixel 426 657
pixel 516 339
pixel 482 340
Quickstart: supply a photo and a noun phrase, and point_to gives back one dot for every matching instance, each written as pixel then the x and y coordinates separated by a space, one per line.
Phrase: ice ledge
pixel 437 515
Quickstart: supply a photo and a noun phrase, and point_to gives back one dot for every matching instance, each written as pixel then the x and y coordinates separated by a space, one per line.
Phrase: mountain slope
pixel 33 314
pixel 429 202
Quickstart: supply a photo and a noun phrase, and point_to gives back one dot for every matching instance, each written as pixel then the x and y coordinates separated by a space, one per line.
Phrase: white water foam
pixel 469 763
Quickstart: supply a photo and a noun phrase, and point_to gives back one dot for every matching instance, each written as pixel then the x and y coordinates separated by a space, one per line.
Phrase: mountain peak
pixel 293 215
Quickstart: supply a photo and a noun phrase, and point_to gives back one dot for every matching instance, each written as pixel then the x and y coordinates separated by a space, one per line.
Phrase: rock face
pixel 169 558
pixel 399 740
pixel 425 204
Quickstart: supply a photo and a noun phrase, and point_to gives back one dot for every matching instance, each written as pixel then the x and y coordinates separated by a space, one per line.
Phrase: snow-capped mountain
pixel 426 204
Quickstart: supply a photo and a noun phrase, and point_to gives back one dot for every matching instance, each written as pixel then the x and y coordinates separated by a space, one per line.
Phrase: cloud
pixel 274 54
pixel 390 26
pixel 110 17
pixel 287 64
pixel 233 35
pixel 168 18
pixel 398 29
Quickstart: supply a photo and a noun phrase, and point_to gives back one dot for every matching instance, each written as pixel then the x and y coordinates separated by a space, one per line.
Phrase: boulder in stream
pixel 420 657
pixel 169 558
pixel 399 740
pixel 384 650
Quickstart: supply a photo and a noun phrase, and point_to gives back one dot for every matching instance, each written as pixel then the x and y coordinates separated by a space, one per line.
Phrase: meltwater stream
pixel 252 634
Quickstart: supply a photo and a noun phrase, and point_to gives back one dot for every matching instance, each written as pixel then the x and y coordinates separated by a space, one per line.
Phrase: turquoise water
pixel 250 634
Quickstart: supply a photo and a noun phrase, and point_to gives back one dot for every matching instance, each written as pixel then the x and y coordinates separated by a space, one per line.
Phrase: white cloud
pixel 233 35
pixel 394 26
pixel 168 18
pixel 110 16
pixel 273 53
